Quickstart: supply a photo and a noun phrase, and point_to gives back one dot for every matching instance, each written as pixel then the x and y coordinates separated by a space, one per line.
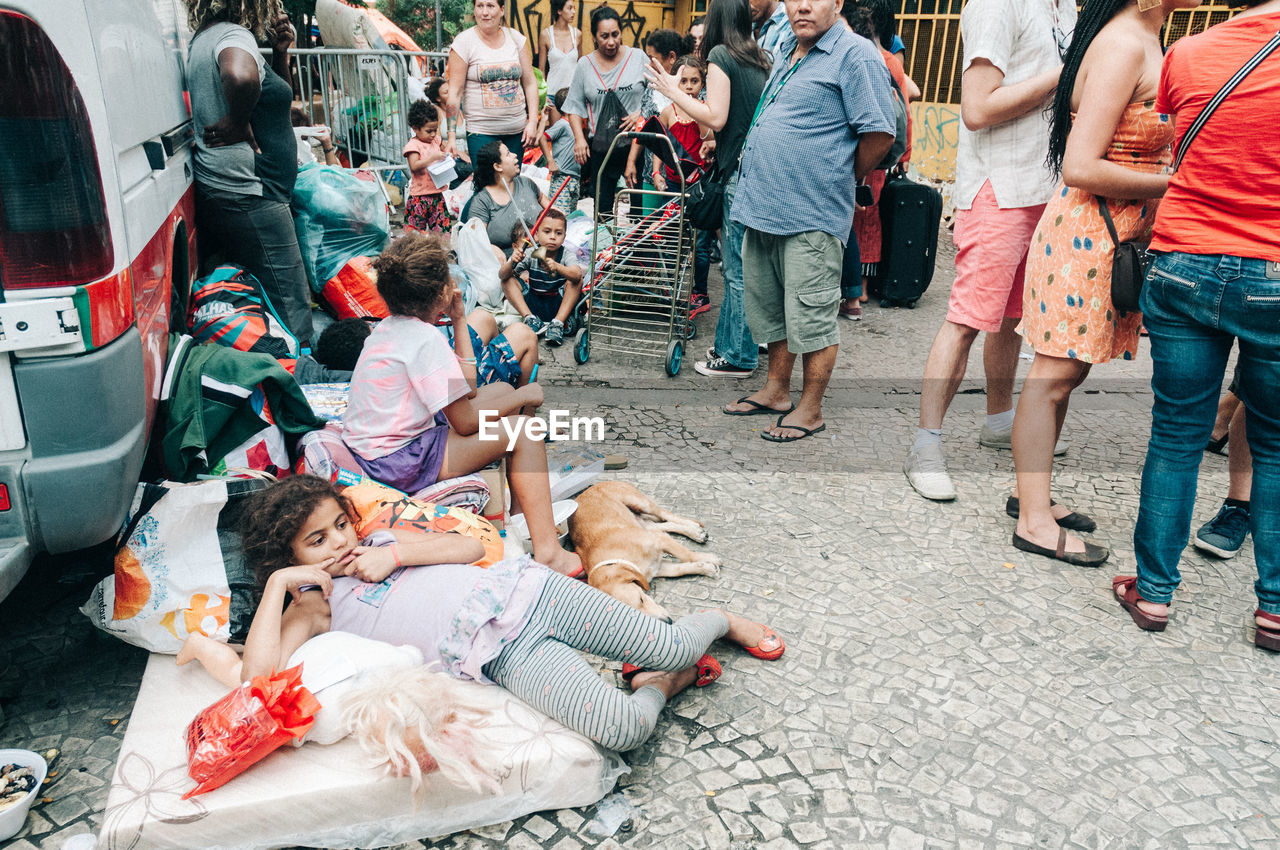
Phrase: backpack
pixel 229 307
pixel 899 147
pixel 611 114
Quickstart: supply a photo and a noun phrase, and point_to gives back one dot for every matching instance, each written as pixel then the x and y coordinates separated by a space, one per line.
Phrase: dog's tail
pixel 416 721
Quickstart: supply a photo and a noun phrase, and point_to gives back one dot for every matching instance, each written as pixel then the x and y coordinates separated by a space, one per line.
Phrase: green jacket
pixel 206 407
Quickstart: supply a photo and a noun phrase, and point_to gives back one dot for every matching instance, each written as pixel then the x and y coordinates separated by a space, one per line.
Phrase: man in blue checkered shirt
pixel 826 115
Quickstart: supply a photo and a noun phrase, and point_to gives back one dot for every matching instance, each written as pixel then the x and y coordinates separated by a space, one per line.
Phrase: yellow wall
pixel 929 28
pixel 639 18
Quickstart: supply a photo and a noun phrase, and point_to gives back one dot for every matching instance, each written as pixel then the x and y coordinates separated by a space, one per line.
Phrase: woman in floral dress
pixel 1110 145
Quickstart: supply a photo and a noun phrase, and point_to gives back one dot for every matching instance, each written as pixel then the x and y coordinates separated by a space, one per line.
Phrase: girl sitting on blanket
pixel 414 413
pixel 516 623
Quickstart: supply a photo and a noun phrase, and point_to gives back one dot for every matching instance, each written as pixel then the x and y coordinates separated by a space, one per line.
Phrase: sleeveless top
pixel 560 63
pixel 1066 300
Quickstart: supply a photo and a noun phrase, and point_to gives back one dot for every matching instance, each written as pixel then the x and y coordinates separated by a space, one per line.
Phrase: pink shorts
pixel 991 261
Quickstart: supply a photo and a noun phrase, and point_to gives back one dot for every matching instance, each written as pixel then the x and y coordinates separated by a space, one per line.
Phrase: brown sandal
pixel 1129 602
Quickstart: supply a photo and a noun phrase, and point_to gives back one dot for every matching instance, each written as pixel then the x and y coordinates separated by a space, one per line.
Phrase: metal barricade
pixel 363 96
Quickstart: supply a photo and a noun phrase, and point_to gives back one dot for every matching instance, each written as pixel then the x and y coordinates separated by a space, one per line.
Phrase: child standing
pixel 547 288
pixel 515 623
pixel 557 147
pixel 425 208
pixel 414 413
pixel 690 135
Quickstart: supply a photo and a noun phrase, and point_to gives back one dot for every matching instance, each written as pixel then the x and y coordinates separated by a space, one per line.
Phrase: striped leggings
pixel 543 668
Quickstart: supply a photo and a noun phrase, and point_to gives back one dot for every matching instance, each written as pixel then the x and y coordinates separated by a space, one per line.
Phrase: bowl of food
pixel 22 773
pixel 561 510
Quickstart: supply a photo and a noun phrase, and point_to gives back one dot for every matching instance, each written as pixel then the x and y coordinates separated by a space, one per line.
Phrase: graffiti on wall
pixel 935 136
pixel 530 18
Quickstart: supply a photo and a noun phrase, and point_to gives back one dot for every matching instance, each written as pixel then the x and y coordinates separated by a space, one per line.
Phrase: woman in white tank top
pixel 560 46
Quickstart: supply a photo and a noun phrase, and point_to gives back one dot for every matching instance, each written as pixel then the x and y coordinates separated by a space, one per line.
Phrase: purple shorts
pixel 412 467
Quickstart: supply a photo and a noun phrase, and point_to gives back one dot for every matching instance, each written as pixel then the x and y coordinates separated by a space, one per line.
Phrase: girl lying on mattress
pixel 515 623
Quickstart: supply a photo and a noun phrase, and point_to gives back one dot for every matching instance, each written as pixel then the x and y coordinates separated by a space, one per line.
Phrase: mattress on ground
pixel 327 796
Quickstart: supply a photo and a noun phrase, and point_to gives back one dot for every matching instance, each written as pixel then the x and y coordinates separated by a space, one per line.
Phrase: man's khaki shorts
pixel 791 287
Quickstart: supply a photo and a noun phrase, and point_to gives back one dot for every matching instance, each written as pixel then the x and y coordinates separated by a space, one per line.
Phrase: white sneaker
pixel 926 469
pixel 1004 440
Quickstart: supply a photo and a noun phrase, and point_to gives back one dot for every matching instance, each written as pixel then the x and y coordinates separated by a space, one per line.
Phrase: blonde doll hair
pixel 417 721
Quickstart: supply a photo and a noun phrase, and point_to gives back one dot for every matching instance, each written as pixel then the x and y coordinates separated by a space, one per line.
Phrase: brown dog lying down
pixel 621 535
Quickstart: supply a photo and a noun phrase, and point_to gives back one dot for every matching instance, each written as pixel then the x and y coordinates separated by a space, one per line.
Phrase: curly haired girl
pixel 516 623
pixel 425 208
pixel 414 413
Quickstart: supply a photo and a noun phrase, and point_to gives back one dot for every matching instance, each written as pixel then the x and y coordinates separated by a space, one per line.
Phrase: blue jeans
pixel 513 141
pixel 733 338
pixel 701 259
pixel 1194 306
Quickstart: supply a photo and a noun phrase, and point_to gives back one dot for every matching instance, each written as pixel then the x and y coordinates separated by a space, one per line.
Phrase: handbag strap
pixel 1216 101
pixel 1106 217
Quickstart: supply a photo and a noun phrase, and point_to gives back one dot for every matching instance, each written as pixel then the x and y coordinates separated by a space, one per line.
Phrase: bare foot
pixel 190 648
pixel 742 631
pixel 669 683
pixel 562 561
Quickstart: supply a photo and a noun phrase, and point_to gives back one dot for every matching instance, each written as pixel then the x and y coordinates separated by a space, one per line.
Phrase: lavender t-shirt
pixel 459 615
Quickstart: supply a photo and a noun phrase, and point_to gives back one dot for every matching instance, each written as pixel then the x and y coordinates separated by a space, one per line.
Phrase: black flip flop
pixel 804 432
pixel 758 409
pixel 1074 521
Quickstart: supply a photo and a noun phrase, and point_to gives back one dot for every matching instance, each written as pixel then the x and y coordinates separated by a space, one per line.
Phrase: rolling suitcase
pixel 910 214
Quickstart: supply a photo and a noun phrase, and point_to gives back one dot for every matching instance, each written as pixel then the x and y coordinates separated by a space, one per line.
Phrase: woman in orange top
pixel 1215 281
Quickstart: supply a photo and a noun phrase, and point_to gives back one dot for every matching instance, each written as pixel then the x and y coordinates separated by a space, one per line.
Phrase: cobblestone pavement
pixel 940 688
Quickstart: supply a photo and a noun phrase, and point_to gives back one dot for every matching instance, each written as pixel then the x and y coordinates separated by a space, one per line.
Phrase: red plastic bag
pixel 242 728
pixel 353 292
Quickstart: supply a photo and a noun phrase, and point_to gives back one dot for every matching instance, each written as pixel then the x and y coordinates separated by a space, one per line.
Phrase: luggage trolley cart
pixel 637 290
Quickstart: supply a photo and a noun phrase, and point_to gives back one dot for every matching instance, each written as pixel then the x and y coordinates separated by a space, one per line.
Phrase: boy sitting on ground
pixel 543 288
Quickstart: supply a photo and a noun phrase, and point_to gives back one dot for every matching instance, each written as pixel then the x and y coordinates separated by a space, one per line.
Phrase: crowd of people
pixel 1079 134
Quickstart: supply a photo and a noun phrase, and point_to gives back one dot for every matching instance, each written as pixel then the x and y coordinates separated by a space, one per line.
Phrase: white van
pixel 97 246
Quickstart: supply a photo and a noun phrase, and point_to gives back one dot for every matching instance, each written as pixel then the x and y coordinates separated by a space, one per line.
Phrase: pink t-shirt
pixel 422 184
pixel 493 98
pixel 406 373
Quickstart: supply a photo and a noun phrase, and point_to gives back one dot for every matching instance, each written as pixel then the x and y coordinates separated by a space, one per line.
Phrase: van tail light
pixel 53 216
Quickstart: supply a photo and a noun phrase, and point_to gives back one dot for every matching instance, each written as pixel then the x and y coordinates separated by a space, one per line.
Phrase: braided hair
pixel 1095 15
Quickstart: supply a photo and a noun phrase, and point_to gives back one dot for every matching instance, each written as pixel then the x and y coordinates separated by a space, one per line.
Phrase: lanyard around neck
pixel 766 102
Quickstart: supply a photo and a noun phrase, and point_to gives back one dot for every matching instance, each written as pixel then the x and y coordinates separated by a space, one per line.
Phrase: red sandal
pixel 1268 636
pixel 708 671
pixel 770 647
pixel 1129 602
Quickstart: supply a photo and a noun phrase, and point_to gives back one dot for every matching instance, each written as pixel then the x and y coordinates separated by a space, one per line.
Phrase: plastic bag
pixel 179 569
pixel 353 292
pixel 245 726
pixel 475 255
pixel 338 217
